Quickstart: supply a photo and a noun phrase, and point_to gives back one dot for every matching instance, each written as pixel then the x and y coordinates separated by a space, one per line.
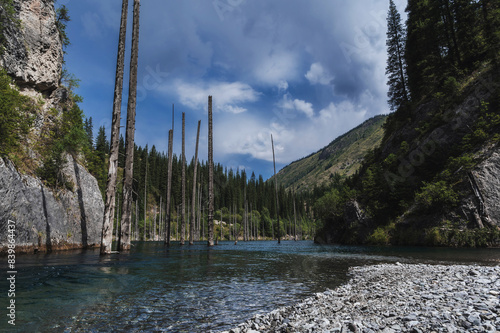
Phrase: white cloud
pixel 282 85
pixel 304 107
pixel 276 67
pixel 296 104
pixel 226 95
pixel 318 75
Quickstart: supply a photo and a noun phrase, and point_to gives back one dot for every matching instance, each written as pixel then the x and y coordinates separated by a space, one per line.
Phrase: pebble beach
pixel 395 298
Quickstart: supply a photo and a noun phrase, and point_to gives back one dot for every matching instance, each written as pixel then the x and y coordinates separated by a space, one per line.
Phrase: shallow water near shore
pixel 190 288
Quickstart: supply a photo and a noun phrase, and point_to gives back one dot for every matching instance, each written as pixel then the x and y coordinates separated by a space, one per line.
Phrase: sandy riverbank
pixel 396 298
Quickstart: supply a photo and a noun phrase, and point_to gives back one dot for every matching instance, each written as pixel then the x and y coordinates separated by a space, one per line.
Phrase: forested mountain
pixel 434 180
pixel 342 157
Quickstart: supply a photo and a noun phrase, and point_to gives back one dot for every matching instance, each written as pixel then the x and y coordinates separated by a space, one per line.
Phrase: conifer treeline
pixel 231 189
pixel 445 47
pixel 443 42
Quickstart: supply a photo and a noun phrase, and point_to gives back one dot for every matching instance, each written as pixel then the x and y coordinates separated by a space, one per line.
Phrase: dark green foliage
pixel 65 135
pixel 447 40
pixel 89 131
pixel 396 65
pixel 436 196
pixel 7 16
pixel 62 19
pixel 16 115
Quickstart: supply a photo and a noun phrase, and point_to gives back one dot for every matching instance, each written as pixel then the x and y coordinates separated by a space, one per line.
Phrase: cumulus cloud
pixel 227 95
pixel 302 106
pixel 304 72
pixel 318 75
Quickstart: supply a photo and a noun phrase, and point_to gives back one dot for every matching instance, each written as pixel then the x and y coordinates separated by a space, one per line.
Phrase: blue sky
pixel 305 71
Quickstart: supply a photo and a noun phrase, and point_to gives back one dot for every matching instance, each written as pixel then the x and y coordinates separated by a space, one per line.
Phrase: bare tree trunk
pixel 210 176
pixel 137 219
pixel 160 220
pixel 294 219
pixel 109 208
pixel 193 200
pixel 276 188
pixel 183 180
pixel 117 222
pixel 130 133
pixel 200 236
pixel 169 184
pixel 154 224
pixel 145 199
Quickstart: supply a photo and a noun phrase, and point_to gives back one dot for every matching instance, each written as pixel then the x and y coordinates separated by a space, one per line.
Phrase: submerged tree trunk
pixel 193 201
pixel 210 176
pixel 183 180
pixel 294 220
pixel 130 134
pixel 145 199
pixel 276 188
pixel 169 185
pixel 109 208
pixel 136 220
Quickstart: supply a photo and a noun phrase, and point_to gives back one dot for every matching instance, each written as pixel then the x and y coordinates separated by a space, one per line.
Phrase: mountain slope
pixel 343 156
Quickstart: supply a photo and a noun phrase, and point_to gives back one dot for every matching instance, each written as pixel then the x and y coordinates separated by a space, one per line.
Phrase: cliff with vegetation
pixel 45 185
pixel 434 179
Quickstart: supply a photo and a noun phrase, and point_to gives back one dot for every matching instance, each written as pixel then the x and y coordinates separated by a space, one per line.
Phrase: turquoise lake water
pixel 189 288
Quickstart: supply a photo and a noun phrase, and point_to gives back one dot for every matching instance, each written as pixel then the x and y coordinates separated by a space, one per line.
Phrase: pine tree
pixel 423 52
pixel 396 67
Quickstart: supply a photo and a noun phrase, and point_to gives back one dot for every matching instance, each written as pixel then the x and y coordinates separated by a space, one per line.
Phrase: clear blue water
pixel 189 288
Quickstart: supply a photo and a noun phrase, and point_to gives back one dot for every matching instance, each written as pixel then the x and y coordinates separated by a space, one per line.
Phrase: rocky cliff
pixel 45 218
pixel 33 54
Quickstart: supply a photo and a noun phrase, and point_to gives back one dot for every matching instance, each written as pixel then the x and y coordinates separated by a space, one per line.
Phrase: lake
pixel 190 288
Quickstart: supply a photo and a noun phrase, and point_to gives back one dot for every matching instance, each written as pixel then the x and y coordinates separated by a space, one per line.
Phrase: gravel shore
pixel 395 298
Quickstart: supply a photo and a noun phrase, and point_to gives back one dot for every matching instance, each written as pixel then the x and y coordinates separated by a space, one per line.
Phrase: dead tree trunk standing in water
pixel 137 220
pixel 183 180
pixel 276 188
pixel 109 208
pixel 210 176
pixel 294 219
pixel 169 185
pixel 145 229
pixel 130 133
pixel 193 201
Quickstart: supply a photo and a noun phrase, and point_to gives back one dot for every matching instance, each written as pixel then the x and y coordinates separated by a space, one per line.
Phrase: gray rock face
pixel 46 220
pixel 34 55
pixel 487 179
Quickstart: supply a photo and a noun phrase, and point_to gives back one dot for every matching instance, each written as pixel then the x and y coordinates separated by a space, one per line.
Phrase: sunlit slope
pixel 343 156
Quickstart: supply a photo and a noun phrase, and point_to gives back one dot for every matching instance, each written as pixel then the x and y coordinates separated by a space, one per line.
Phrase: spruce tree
pixel 396 67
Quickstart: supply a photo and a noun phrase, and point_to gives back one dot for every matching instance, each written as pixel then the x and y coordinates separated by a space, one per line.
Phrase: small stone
pixel 473 272
pixel 474 319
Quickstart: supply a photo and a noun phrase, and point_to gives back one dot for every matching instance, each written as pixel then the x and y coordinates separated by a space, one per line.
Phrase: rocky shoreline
pixel 395 298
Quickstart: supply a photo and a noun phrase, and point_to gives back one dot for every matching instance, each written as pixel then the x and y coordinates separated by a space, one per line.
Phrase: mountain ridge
pixel 342 156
